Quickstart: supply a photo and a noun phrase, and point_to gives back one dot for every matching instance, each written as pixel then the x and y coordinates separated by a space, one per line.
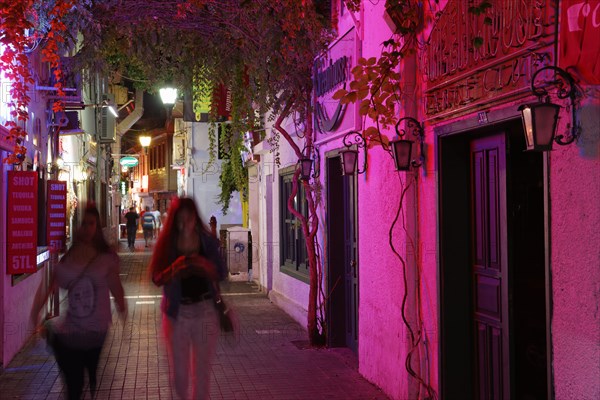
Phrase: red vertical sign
pixel 21 226
pixel 579 33
pixel 56 215
pixel 222 95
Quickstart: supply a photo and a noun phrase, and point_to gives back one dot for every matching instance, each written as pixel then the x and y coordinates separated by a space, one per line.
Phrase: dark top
pixel 173 290
pixel 132 218
pixel 194 286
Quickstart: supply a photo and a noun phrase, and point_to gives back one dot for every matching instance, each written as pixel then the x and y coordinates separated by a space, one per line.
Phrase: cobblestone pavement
pixel 269 358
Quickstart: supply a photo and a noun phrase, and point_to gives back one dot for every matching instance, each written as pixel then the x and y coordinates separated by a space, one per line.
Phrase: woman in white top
pixel 89 272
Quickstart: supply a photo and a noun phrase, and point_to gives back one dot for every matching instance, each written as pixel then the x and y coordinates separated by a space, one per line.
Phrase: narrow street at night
pixel 268 360
pixel 399 199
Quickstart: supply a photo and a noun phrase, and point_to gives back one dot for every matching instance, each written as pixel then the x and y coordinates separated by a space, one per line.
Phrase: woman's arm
pixel 116 288
pixel 165 275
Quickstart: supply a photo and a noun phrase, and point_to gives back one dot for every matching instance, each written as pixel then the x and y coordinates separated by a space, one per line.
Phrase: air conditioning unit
pixel 238 253
pixel 67 120
pixel 107 132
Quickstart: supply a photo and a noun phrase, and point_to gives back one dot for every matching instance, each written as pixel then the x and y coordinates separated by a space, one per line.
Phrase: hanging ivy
pixel 263 49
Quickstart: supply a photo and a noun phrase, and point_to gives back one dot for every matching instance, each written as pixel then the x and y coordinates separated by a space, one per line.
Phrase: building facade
pixel 473 275
pixel 69 149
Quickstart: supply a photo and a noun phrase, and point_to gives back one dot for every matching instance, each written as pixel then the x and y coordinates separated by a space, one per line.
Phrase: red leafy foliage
pixel 15 23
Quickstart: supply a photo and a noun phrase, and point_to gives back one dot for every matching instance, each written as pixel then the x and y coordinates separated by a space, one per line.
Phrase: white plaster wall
pixel 203 181
pixel 289 293
pixel 267 242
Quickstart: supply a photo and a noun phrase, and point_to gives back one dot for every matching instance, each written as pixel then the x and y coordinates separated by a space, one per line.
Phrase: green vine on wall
pixel 478 11
pixel 376 82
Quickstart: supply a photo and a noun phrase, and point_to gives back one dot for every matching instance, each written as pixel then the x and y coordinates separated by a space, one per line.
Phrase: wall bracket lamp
pixel 540 119
pixel 402 148
pixel 310 155
pixel 353 141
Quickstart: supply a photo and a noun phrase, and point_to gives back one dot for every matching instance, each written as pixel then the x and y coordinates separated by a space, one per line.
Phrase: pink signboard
pixel 56 215
pixel 21 226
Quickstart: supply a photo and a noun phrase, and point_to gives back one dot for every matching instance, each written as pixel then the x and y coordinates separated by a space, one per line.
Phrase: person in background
pixel 158 222
pixel 132 225
pixel 148 224
pixel 89 271
pixel 187 264
pixel 142 211
pixel 213 225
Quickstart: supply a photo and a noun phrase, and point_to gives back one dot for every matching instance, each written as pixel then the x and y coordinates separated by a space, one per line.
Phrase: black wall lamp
pixel 402 148
pixel 349 156
pixel 541 119
pixel 306 163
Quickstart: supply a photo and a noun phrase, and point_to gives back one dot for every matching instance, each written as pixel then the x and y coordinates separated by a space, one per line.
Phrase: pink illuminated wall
pixel 572 176
pixel 574 255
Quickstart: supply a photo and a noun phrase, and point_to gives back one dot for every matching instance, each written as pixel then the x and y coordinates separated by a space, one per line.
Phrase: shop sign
pixel 579 33
pixel 517 38
pixel 222 97
pixel 331 72
pixel 56 215
pixel 128 161
pixel 21 224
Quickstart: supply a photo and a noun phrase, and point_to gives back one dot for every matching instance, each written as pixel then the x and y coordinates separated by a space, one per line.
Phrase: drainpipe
pixel 97 113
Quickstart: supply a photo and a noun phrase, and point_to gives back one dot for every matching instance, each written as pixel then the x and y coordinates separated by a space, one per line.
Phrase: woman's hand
pixel 167 274
pixel 187 266
pixel 196 265
pixel 178 265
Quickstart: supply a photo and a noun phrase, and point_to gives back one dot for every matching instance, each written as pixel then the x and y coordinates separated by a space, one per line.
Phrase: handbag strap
pixel 83 270
pixel 217 292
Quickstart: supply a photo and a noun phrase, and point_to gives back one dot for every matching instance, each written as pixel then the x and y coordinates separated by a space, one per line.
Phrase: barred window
pixel 293 255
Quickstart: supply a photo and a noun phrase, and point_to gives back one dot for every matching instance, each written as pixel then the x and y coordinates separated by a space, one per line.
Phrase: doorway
pixel 342 260
pixel 493 312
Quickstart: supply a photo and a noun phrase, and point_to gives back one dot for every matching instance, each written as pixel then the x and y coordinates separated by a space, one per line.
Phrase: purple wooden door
pixel 489 267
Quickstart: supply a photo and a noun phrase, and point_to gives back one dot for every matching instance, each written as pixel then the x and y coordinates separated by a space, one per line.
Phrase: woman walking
pixel 187 263
pixel 89 272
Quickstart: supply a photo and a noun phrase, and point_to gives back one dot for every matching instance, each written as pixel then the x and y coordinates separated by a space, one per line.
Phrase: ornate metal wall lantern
pixel 306 163
pixel 540 119
pixel 402 148
pixel 349 156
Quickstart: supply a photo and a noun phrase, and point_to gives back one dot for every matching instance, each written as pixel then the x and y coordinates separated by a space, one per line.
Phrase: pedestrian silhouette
pixel 187 264
pixel 89 271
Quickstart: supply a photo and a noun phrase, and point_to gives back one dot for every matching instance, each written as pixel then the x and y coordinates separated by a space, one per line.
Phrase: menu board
pixel 56 215
pixel 21 226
